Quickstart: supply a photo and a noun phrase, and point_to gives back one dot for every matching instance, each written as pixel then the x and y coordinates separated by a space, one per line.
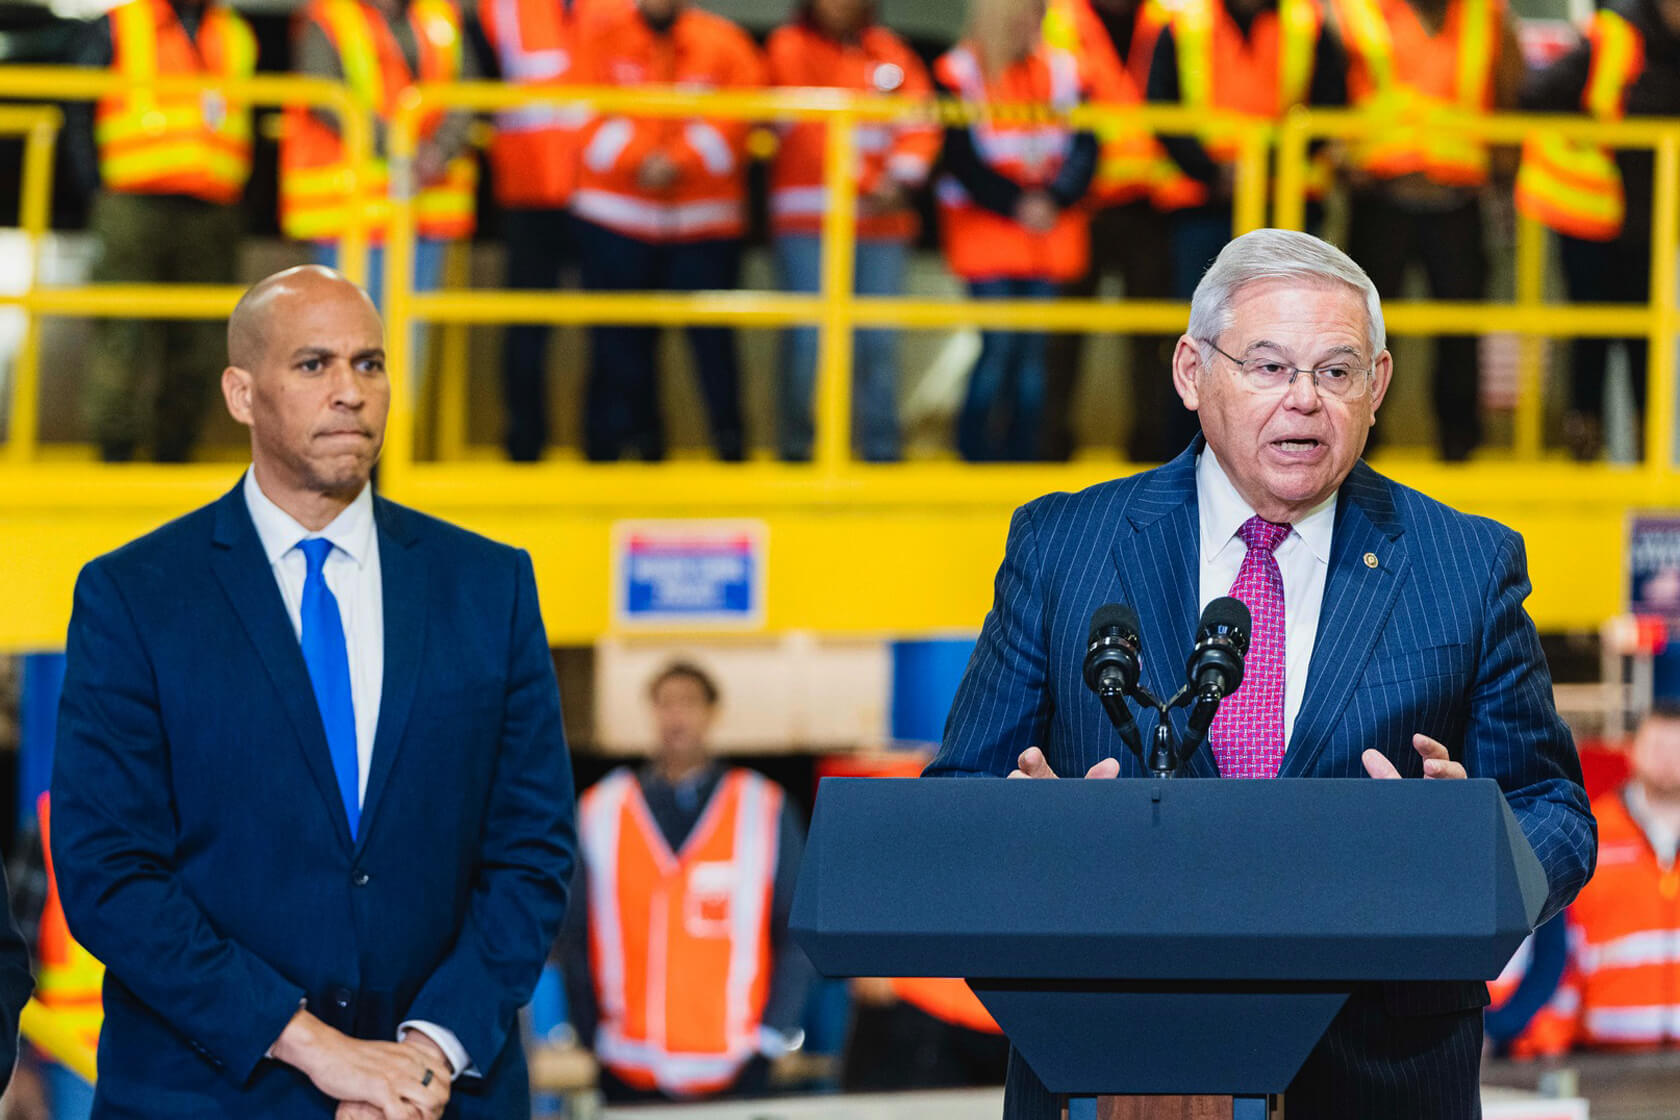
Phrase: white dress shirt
pixel 352 574
pixel 1303 558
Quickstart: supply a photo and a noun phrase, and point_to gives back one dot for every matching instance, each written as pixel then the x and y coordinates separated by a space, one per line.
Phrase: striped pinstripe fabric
pixel 1433 639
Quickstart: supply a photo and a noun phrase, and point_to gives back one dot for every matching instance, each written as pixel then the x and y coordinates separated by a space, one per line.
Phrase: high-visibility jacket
pixel 979 243
pixel 71 980
pixel 1552 1029
pixel 1262 75
pixel 1625 963
pixel 877 61
pixel 176 143
pixel 1398 69
pixel 1129 158
pixel 700 52
pixel 949 1000
pixel 680 941
pixel 1573 186
pixel 315 178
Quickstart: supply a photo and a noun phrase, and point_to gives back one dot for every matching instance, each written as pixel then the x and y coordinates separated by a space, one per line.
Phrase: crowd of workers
pixel 1028 208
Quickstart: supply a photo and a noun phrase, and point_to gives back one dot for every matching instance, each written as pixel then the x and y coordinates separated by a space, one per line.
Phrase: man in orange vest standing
pixel 1628 65
pixel 679 968
pixel 166 173
pixel 379 48
pixel 1417 187
pixel 661 203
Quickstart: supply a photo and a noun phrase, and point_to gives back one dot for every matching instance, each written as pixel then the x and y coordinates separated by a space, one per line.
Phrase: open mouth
pixel 1297 446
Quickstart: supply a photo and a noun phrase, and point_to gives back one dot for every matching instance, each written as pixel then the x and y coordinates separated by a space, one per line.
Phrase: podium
pixel 1142 936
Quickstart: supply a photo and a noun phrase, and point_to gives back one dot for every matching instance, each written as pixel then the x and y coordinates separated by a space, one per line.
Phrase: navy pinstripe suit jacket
pixel 1433 639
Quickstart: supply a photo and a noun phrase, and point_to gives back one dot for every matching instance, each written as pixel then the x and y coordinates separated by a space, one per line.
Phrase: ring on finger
pixel 427 1078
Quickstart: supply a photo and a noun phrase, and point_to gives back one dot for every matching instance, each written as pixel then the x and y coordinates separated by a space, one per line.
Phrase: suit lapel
pixel 403 577
pixel 1358 600
pixel 242 568
pixel 1159 566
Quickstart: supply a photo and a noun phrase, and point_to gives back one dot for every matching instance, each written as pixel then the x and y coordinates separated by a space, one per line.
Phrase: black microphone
pixel 1113 665
pixel 1216 664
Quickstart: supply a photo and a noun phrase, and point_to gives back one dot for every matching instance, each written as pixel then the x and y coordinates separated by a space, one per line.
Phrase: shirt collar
pixel 351 531
pixel 1223 512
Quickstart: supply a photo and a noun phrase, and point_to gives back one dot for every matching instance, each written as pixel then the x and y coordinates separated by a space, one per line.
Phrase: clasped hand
pixel 407 1080
pixel 1437 763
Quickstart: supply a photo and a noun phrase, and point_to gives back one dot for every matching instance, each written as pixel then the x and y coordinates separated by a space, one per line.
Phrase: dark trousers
pixel 1130 241
pixel 1386 239
pixel 1616 271
pixel 752 1081
pixel 1378 1065
pixel 540 244
pixel 1004 408
pixel 900 1047
pixel 621 413
pixel 147 378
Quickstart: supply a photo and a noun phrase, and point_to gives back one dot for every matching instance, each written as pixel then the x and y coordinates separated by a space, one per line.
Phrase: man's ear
pixel 1186 362
pixel 236 391
pixel 1381 375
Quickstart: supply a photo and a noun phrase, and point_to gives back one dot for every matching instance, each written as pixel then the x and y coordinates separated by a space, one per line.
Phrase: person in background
pixel 1628 65
pixel 379 48
pixel 1416 188
pixel 1011 223
pixel 533 170
pixel 661 206
pixel 681 904
pixel 1623 985
pixel 167 172
pixel 1115 40
pixel 838 44
pixel 1523 1018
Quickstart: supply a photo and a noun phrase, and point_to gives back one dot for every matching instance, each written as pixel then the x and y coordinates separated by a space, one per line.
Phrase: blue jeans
pixel 879 271
pixel 428 270
pixel 69 1097
pixel 1004 410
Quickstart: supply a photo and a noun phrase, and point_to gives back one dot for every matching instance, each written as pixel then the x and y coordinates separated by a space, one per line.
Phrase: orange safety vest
pixel 1129 158
pixel 980 244
pixel 1263 75
pixel 1552 1030
pixel 1573 186
pixel 700 52
pixel 876 62
pixel 196 144
pixel 316 181
pixel 1405 75
pixel 533 154
pixel 680 941
pixel 71 981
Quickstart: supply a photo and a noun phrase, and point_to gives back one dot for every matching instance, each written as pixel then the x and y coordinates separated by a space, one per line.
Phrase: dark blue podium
pixel 1165 937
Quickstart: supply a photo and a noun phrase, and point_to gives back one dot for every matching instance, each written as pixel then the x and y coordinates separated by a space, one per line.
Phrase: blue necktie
pixel 325 654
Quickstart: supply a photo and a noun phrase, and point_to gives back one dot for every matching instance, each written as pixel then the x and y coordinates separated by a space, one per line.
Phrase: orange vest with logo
pixel 1129 158
pixel 71 981
pixel 1406 74
pixel 699 52
pixel 316 192
pixel 1573 186
pixel 196 144
pixel 1625 935
pixel 980 244
pixel 877 61
pixel 680 941
pixel 1263 75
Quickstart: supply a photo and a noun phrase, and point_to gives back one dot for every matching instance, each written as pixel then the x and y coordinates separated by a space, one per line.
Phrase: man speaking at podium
pixel 1389 637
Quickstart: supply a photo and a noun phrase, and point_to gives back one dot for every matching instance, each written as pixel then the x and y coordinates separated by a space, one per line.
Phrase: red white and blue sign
pixel 689 575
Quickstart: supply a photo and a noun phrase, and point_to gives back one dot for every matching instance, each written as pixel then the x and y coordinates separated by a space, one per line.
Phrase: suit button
pixel 359 877
pixel 341 998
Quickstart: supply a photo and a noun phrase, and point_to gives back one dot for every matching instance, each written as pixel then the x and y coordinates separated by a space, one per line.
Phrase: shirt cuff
pixel 446 1041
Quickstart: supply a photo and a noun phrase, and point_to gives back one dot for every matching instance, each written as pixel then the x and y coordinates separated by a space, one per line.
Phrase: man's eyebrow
pixel 311 352
pixel 1342 350
pixel 370 352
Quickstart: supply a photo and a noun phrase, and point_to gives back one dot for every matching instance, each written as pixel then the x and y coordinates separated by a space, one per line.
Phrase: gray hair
pixel 1277 254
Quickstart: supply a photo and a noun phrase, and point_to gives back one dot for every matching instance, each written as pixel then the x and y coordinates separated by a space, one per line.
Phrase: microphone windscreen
pixel 1116 616
pixel 1226 613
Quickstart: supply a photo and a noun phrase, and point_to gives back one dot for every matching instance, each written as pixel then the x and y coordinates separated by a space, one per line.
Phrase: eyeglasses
pixel 1270 376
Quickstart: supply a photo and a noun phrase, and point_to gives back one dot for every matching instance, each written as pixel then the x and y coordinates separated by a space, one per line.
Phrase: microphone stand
pixel 1166 752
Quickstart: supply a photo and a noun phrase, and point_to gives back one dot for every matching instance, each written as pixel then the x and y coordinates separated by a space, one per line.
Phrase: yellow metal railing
pixel 58 1040
pixel 38 125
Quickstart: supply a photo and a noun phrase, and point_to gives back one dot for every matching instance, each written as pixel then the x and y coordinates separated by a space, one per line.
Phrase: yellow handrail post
pixel 356 133
pixel 401 139
pixel 1248 210
pixel 1289 207
pixel 1531 284
pixel 839 242
pixel 34 212
pixel 1665 237
pixel 450 440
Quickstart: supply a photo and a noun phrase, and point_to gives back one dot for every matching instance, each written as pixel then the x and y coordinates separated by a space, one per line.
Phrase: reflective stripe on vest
pixel 1127 156
pixel 70 980
pixel 1409 141
pixel 315 181
pixel 1574 186
pixel 193 144
pixel 680 942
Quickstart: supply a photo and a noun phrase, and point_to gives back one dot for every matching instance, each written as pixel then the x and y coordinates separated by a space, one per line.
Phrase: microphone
pixel 1113 665
pixel 1216 664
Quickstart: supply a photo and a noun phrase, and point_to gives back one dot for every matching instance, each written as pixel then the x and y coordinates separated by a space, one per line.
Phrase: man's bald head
pixel 248 330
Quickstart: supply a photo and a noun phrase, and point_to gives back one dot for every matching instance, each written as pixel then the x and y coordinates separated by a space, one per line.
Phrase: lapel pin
pixel 1370 560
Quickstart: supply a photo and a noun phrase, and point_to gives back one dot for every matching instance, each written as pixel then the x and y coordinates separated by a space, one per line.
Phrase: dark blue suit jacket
pixel 204 855
pixel 1434 639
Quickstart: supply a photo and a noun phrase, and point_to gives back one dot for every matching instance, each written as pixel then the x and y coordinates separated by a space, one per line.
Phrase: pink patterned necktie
pixel 1247 734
